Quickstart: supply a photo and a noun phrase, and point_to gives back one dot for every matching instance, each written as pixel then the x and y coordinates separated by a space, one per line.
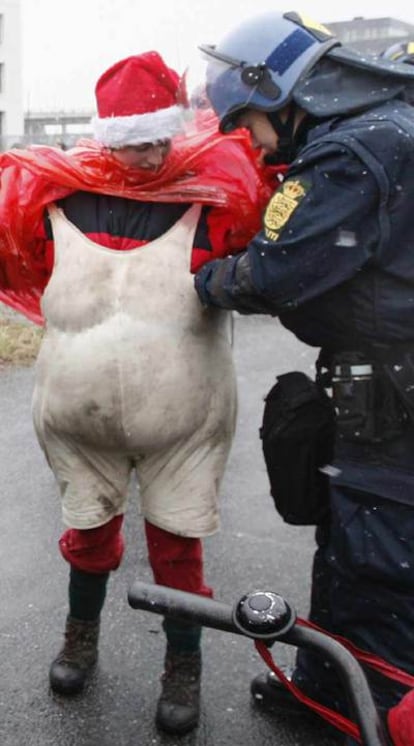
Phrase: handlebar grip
pixel 187 607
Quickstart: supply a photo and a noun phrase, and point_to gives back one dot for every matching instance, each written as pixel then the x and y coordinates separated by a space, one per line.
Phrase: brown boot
pixel 69 670
pixel 178 709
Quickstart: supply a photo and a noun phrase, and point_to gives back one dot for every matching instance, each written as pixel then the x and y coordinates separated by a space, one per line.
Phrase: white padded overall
pixel 133 373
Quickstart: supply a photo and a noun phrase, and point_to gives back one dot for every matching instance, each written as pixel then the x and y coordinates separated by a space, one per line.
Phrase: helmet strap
pixel 286 149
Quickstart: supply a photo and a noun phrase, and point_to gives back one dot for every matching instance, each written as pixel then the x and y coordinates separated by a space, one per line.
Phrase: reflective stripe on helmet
pixel 287 53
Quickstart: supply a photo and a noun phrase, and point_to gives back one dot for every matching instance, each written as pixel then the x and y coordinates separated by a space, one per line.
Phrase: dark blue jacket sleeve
pixel 320 228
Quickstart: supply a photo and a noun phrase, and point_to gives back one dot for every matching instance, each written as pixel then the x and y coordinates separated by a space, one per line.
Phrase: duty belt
pixel 373 391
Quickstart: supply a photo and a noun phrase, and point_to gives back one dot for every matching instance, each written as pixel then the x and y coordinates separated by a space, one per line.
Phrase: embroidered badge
pixel 281 207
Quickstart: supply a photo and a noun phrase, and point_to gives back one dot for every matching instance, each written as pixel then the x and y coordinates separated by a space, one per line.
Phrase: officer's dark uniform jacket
pixel 335 261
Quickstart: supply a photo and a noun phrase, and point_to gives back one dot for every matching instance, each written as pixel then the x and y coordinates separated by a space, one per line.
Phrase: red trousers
pixel 176 561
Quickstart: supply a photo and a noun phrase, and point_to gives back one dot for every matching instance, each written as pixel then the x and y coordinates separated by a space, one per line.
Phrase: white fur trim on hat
pixel 119 132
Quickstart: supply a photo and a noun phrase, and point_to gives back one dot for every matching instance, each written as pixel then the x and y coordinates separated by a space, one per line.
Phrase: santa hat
pixel 138 100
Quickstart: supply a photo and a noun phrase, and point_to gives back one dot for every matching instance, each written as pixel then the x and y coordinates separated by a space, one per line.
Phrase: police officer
pixel 334 261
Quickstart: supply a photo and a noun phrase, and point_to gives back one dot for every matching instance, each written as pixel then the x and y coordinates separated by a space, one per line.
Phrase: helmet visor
pixel 233 85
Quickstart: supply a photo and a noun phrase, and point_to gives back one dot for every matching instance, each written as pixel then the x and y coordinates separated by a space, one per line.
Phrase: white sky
pixel 66 46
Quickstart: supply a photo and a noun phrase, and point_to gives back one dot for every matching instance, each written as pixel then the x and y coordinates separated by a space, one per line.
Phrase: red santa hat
pixel 138 100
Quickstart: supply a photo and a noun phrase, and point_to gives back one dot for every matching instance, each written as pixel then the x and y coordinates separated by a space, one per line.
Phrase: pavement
pixel 254 549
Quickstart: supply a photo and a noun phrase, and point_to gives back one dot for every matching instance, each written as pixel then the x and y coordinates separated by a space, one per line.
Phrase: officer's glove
pixel 210 283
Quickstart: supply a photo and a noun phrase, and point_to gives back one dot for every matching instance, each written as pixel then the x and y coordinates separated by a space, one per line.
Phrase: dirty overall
pixel 133 373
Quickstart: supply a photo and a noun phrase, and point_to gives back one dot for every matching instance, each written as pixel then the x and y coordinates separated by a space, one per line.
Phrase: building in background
pixel 372 35
pixel 62 128
pixel 11 75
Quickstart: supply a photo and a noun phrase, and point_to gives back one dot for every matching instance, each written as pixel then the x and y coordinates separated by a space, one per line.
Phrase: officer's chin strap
pixel 286 147
pixel 333 717
pixel 291 139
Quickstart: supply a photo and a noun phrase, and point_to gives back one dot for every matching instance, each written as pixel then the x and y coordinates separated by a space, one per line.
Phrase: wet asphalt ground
pixel 254 549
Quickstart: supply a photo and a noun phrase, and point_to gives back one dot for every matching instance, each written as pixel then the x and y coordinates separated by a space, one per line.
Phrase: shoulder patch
pixel 283 203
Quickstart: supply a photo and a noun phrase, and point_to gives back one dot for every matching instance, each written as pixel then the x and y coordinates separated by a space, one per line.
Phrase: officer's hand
pixel 209 283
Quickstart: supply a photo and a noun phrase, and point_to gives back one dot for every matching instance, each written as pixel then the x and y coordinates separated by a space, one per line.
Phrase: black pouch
pixel 298 433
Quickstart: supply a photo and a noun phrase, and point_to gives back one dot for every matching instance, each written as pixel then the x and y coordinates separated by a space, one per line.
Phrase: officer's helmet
pixel 259 63
pixel 400 52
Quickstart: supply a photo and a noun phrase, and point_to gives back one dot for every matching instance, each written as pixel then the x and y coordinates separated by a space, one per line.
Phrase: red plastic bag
pixel 203 167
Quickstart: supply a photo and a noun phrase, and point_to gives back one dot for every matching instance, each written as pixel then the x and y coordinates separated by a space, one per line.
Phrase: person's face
pixel 149 155
pixel 261 131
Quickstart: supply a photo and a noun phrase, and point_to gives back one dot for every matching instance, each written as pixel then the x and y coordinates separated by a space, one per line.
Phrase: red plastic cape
pixel 203 167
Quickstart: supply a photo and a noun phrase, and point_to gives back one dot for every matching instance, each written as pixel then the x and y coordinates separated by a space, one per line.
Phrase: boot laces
pixel 80 647
pixel 181 678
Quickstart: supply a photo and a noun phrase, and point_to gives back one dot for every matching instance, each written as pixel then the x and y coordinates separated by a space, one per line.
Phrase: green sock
pixel 87 593
pixel 182 637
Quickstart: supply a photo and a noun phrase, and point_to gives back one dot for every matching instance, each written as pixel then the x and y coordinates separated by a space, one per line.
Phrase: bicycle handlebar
pixel 256 606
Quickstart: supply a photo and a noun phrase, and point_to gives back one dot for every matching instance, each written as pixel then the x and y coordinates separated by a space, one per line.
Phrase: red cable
pixel 374 661
pixel 335 718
